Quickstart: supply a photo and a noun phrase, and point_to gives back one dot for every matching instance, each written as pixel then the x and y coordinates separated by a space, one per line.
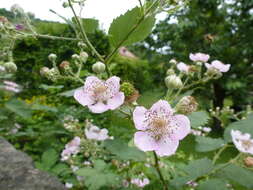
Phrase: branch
pixel 159 172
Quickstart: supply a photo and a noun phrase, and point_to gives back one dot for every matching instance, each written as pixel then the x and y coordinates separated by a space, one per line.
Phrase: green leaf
pixel 123 151
pixel 197 168
pixel 95 179
pixel 122 25
pixel 198 118
pixel 237 174
pixel 245 126
pixel 213 184
pixel 49 158
pixel 19 107
pixel 178 182
pixel 90 25
pixel 205 144
pixel 43 108
pixel 61 169
pixel 68 93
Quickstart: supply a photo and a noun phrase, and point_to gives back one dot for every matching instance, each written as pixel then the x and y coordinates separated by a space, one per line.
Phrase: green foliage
pixel 19 107
pixel 238 175
pixel 123 151
pixel 124 24
pixel 99 176
pixel 49 158
pixel 213 184
pixel 198 119
pixel 244 126
pixel 205 144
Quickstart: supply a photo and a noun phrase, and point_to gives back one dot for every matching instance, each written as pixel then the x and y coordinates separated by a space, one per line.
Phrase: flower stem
pixel 216 157
pixel 157 167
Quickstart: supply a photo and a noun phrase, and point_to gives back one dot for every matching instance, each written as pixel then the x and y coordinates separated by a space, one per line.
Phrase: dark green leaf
pixel 122 25
pixel 213 184
pixel 49 158
pixel 198 118
pixel 205 144
pixel 19 107
pixel 123 151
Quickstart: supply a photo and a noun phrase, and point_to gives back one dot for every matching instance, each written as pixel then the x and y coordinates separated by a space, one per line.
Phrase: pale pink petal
pixel 139 118
pixel 183 127
pixel 208 66
pixel 113 83
pixel 89 81
pixel 99 107
pixel 162 106
pixel 166 147
pixel 183 67
pixel 144 141
pixel 83 98
pixel 116 101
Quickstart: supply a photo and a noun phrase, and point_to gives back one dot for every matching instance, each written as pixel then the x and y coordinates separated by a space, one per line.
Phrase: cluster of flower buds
pixel 52 74
pixel 201 131
pixel 8 67
pixel 70 123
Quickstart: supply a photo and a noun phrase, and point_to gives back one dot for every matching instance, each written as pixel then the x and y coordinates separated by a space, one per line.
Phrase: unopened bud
pixel 81 45
pixel 10 67
pixel 170 72
pixel 44 71
pixel 52 57
pixel 75 56
pixel 173 81
pixel 53 74
pixel 248 161
pixel 173 61
pixel 187 105
pixel 65 65
pixel 65 4
pixel 17 9
pixel 84 56
pixel 213 73
pixel 98 67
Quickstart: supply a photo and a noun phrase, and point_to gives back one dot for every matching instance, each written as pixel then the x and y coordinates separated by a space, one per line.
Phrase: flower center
pixel 100 89
pixel 158 123
pixel 247 144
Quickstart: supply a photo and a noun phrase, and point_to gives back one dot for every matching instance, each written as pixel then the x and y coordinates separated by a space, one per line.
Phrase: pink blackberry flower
pixel 243 142
pixel 183 67
pixel 99 95
pixel 218 65
pixel 199 57
pixel 72 148
pixel 160 130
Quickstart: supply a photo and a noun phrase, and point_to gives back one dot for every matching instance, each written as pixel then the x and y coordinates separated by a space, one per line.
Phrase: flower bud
pixel 213 72
pixel 173 61
pixel 187 105
pixel 75 56
pixel 17 9
pixel 173 81
pixel 84 56
pixel 98 67
pixel 65 66
pixel 81 45
pixel 51 74
pixel 65 4
pixel 52 57
pixel 248 161
pixel 10 67
pixel 44 71
pixel 170 72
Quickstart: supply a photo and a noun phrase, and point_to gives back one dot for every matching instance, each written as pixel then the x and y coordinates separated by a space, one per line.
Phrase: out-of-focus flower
pixel 125 183
pixel 11 86
pixel 19 27
pixel 10 67
pixel 68 185
pixel 248 161
pixel 196 132
pixel 100 95
pixel 160 129
pixel 95 133
pixel 173 61
pixel 173 81
pixel 242 142
pixel 199 57
pixel 123 51
pixel 183 67
pixel 16 8
pixel 140 182
pixel 72 148
pixel 2 69
pixel 187 105
pixel 207 129
pixel 84 56
pixel 218 65
pixel 192 183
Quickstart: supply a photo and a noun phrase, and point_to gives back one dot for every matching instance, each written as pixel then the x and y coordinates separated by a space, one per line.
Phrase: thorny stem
pixel 157 167
pixel 109 57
